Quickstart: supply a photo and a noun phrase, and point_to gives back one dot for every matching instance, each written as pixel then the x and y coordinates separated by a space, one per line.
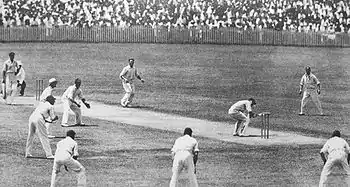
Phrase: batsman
pixel 9 79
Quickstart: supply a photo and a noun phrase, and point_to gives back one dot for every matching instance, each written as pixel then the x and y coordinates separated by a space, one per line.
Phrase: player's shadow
pixel 37 157
pixel 81 126
pixel 250 136
pixel 21 104
pixel 138 107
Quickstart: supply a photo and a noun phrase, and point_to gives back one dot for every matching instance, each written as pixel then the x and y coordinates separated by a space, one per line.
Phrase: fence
pixel 163 35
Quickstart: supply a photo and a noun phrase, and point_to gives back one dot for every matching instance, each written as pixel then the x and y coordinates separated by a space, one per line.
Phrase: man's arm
pixel 139 77
pixel 301 85
pixel 4 69
pixel 122 75
pixel 318 88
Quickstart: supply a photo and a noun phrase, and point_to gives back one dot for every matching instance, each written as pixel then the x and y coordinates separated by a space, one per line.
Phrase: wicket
pixel 265 124
pixel 39 88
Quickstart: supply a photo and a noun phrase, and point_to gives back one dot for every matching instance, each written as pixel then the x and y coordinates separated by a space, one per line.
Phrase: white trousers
pixel 242 122
pixel 129 89
pixel 314 97
pixel 68 105
pixel 72 165
pixel 338 158
pixel 183 161
pixel 11 88
pixel 37 126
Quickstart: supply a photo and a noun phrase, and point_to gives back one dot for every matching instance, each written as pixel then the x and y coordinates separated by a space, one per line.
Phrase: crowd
pixel 293 15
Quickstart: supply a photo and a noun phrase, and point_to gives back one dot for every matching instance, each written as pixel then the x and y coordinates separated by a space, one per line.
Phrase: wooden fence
pixel 178 36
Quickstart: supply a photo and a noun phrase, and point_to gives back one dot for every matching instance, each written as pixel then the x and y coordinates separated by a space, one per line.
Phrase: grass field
pixel 199 81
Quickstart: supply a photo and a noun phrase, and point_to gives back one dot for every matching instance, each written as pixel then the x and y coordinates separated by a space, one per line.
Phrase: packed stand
pixel 299 16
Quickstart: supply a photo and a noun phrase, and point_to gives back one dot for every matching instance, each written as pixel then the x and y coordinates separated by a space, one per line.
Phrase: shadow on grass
pixel 138 106
pixel 22 105
pixel 80 126
pixel 37 157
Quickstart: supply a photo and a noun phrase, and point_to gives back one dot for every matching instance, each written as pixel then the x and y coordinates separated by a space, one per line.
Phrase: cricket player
pixel 310 86
pixel 69 99
pixel 47 92
pixel 185 155
pixel 335 152
pixel 44 113
pixel 128 76
pixel 242 112
pixel 9 79
pixel 66 155
pixel 21 75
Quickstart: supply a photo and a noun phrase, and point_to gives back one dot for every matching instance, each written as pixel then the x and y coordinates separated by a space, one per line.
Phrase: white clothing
pixel 183 151
pixel 72 93
pixel 21 75
pixel 237 111
pixel 129 73
pixel 242 106
pixel 47 92
pixel 336 150
pixel 10 68
pixel 43 96
pixel 44 112
pixel 66 149
pixel 309 84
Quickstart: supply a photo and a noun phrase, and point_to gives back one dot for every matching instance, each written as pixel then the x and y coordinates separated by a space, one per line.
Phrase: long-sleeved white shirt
pixel 66 148
pixel 185 143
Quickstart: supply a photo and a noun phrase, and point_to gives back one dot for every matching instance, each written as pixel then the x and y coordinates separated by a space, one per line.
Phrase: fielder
pixel 44 113
pixel 335 152
pixel 47 92
pixel 185 156
pixel 21 75
pixel 66 155
pixel 238 112
pixel 128 75
pixel 310 86
pixel 70 103
pixel 9 80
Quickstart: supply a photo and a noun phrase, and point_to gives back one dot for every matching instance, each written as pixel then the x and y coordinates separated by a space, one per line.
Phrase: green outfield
pixel 200 81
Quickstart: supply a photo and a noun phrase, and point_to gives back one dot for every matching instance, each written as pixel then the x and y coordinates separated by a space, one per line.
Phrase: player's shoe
pixel 241 135
pixel 64 125
pixel 301 114
pixel 50 136
pixel 50 157
pixel 235 134
pixel 28 155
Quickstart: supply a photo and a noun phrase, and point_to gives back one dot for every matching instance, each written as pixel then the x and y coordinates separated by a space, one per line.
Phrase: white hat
pixel 52 80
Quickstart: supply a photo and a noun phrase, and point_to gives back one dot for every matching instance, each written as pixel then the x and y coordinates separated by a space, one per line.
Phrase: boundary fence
pixel 172 36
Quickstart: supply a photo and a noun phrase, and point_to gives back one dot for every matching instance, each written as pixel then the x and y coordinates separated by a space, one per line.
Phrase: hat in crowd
pixel 52 80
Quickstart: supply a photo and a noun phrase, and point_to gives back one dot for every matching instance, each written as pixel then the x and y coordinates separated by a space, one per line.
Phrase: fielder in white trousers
pixel 9 79
pixel 129 89
pixel 42 114
pixel 68 105
pixel 183 161
pixel 338 151
pixel 11 88
pixel 66 155
pixel 185 154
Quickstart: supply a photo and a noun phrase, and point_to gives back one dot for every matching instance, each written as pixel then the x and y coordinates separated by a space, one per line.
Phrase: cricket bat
pixel 3 88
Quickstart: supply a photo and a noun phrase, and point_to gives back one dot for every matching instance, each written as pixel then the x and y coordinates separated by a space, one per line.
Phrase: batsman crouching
pixel 185 156
pixel 66 155
pixel 237 111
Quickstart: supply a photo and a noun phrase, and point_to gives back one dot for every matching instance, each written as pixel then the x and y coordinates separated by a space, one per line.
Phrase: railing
pixel 179 36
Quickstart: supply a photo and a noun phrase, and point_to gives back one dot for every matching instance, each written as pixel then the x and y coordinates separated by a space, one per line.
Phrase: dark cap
pixel 71 133
pixel 188 131
pixel 11 54
pixel 253 101
pixel 336 133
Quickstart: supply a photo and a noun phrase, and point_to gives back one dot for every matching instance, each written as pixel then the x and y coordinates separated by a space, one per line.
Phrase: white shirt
pixel 66 148
pixel 335 144
pixel 309 82
pixel 21 75
pixel 10 67
pixel 72 92
pixel 46 92
pixel 185 143
pixel 241 106
pixel 45 110
pixel 129 73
